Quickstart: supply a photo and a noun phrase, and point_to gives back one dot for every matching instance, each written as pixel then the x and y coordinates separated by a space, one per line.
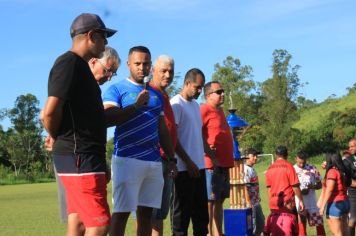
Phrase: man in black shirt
pixel 74 117
pixel 103 69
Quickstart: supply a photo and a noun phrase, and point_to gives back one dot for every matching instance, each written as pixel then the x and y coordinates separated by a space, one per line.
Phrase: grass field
pixel 31 209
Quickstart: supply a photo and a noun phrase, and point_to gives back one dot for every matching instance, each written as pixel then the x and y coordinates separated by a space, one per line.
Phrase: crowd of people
pixel 170 154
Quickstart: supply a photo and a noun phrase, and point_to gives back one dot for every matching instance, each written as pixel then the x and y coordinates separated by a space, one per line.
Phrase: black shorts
pixel 352 197
pixel 79 163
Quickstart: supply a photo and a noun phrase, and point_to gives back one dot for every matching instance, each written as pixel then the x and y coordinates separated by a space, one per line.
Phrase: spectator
pixel 283 185
pixel 137 112
pixel 253 188
pixel 310 180
pixel 74 117
pixel 218 135
pixel 333 197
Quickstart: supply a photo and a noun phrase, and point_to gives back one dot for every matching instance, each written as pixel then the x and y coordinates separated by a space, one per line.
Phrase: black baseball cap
pixel 86 22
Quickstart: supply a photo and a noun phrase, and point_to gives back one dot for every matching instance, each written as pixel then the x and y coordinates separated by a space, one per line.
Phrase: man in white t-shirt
pixel 190 194
pixel 310 180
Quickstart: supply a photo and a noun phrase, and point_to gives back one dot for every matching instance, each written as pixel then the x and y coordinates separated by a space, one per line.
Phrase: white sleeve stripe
pixel 111 103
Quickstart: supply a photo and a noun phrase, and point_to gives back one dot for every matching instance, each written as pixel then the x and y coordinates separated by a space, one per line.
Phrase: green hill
pixel 310 119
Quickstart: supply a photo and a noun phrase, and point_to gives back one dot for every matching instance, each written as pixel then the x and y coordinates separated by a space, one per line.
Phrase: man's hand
pixel 301 206
pixel 321 210
pixel 193 170
pixel 211 154
pixel 142 98
pixel 49 141
pixel 172 170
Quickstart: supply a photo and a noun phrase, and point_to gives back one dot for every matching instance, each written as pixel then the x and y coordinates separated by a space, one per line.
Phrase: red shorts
pixel 86 196
pixel 281 224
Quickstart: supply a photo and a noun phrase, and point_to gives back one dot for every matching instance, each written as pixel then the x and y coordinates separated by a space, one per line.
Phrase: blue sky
pixel 319 34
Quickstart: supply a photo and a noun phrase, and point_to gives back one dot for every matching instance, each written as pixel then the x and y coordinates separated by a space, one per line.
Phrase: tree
pixel 174 88
pixel 279 109
pixel 304 104
pixel 24 139
pixel 4 154
pixel 351 89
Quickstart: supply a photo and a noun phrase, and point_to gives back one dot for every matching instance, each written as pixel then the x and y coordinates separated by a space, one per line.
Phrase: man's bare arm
pixel 165 139
pixel 51 115
pixel 167 146
pixel 298 193
pixel 210 152
pixel 192 168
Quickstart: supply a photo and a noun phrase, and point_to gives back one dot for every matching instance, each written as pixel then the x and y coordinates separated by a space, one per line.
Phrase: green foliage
pixel 278 106
pixel 304 104
pixel 109 148
pixel 351 89
pixel 253 138
pixel 332 134
pixel 312 118
pixel 175 87
pixel 21 144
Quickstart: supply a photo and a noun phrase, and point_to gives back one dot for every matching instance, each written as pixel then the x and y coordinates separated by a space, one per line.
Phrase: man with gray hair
pixel 163 73
pixel 105 67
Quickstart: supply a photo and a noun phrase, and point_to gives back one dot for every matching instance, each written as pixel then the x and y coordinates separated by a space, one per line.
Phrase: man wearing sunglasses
pixel 74 116
pixel 218 135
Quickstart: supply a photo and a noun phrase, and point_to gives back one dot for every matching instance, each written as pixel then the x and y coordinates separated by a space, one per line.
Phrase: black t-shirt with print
pixel 82 129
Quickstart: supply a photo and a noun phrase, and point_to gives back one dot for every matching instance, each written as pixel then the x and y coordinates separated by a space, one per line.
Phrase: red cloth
pixel 169 119
pixel 320 231
pixel 86 195
pixel 340 189
pixel 217 133
pixel 302 229
pixel 280 177
pixel 281 223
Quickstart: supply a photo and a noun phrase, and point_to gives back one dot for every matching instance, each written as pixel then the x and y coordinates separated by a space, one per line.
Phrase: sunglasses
pixel 218 91
pixel 101 33
pixel 107 72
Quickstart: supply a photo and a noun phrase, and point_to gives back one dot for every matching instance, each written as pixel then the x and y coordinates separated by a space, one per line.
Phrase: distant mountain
pixel 311 118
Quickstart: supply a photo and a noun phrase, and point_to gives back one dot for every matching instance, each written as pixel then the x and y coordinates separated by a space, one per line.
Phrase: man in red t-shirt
pixel 283 184
pixel 218 135
pixel 163 73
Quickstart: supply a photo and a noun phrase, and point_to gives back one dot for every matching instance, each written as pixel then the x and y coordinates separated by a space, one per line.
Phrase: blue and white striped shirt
pixel 137 137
